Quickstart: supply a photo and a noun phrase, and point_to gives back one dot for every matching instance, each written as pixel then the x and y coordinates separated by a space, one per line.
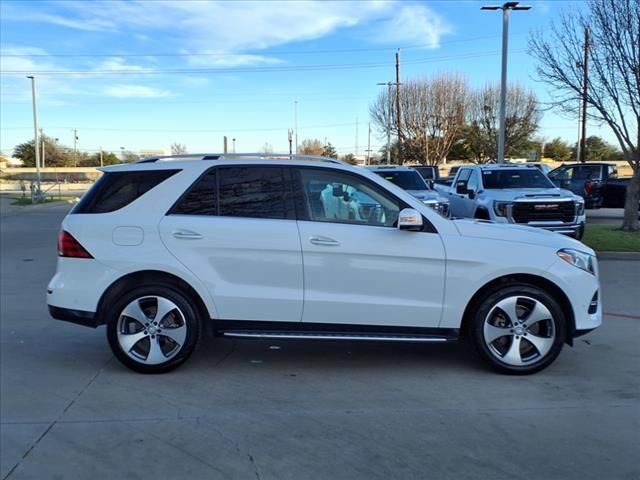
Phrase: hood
pixel 424 195
pixel 518 233
pixel 509 194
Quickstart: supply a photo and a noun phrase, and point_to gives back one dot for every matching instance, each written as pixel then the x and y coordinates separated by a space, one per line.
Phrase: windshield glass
pixel 520 178
pixel 408 179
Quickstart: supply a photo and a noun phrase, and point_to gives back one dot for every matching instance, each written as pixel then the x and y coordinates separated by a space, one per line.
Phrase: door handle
pixel 324 241
pixel 186 235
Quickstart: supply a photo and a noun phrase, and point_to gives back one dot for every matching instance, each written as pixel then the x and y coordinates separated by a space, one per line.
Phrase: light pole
pixel 234 145
pixel 390 105
pixel 122 154
pixel 506 8
pixel 290 137
pixel 36 145
pixel 295 110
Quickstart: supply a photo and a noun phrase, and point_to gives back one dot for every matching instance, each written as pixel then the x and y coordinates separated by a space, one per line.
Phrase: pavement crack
pixel 34 445
pixel 48 429
pixel 255 467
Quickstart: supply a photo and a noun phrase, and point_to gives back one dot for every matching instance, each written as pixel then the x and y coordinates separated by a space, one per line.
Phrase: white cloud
pixel 135 91
pixel 416 24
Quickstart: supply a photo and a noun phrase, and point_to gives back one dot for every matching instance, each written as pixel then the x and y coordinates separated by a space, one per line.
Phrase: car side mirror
pixel 461 188
pixel 410 219
pixel 472 194
pixel 338 191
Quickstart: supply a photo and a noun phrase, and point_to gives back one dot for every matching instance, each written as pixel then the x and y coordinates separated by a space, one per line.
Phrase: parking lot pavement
pixel 303 410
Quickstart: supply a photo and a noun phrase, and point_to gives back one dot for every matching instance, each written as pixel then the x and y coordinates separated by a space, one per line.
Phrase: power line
pixel 258 53
pixel 285 68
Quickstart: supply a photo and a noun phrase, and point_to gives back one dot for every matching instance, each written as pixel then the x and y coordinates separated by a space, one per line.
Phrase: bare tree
pixel 433 112
pixel 267 148
pixel 311 147
pixel 522 118
pixel 178 148
pixel 613 86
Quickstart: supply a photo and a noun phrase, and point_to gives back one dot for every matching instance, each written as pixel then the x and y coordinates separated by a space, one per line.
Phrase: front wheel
pixel 519 329
pixel 152 329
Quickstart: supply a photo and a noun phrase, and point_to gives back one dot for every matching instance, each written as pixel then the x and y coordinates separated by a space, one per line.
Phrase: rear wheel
pixel 152 329
pixel 481 214
pixel 519 329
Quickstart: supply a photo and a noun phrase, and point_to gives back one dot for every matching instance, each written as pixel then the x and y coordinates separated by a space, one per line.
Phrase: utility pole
pixel 35 132
pixel 43 150
pixel 506 8
pixel 585 80
pixel 101 163
pixel 75 147
pixel 369 145
pixel 290 135
pixel 398 110
pixel 295 107
pixel 224 146
pixel 234 145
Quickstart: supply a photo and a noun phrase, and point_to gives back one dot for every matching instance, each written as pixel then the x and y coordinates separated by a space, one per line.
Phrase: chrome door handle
pixel 186 235
pixel 324 241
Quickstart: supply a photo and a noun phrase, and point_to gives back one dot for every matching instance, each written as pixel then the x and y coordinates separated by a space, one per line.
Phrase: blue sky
pixel 145 74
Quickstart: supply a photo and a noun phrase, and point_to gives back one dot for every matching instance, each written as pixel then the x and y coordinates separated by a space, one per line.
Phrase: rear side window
pixel 115 190
pixel 257 192
pixel 252 192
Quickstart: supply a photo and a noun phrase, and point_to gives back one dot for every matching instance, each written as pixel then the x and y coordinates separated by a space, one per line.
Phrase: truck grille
pixel 525 212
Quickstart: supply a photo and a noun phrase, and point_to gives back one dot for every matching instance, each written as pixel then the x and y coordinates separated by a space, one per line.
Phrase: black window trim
pixel 289 201
pixel 299 195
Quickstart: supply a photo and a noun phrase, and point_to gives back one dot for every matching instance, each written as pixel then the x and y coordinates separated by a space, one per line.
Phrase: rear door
pixel 359 268
pixel 235 229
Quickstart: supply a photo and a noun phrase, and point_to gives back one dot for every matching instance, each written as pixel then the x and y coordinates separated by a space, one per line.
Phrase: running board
pixel 367 337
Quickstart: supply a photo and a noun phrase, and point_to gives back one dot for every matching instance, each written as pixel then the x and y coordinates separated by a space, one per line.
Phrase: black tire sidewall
pixel 171 293
pixel 525 290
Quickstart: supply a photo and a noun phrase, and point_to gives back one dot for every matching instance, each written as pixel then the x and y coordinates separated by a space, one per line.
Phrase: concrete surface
pixel 303 410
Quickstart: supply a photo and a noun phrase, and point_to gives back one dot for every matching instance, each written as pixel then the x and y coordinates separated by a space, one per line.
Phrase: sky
pixel 144 74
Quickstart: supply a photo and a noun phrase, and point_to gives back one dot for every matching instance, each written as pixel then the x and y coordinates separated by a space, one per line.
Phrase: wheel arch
pixel 534 280
pixel 482 213
pixel 144 277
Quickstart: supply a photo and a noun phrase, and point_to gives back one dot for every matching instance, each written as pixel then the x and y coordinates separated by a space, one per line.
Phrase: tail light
pixel 588 188
pixel 70 247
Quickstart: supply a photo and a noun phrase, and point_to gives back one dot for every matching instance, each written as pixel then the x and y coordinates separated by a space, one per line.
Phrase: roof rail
pixel 238 156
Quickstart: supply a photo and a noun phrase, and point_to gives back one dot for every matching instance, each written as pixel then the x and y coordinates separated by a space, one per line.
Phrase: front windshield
pixel 407 180
pixel 515 178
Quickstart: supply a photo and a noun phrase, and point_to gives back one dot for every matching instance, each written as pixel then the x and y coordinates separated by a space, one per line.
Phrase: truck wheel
pixel 518 329
pixel 152 329
pixel 481 215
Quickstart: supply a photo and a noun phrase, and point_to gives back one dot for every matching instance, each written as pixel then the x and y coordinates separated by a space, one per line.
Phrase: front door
pixel 359 268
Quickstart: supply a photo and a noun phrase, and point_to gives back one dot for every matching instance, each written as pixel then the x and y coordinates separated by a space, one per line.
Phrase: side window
pixel 332 196
pixel 613 172
pixel 473 182
pixel 465 173
pixel 202 198
pixel 115 190
pixel 256 192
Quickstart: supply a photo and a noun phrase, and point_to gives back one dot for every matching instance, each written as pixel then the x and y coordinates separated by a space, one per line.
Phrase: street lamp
pixel 389 84
pixel 234 144
pixel 36 145
pixel 122 154
pixel 506 8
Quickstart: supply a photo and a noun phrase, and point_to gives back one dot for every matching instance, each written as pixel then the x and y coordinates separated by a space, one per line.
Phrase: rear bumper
pixel 79 317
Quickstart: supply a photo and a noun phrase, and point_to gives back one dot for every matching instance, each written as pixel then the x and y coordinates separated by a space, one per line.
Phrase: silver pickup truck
pixel 516 194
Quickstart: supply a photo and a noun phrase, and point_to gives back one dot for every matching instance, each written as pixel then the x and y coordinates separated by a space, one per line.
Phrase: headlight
pixel 580 208
pixel 501 208
pixel 578 259
pixel 441 207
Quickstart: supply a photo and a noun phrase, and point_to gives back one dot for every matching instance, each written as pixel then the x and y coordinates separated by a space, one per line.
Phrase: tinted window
pixel 202 198
pixel 587 172
pixel 257 192
pixel 472 184
pixel 115 190
pixel 407 179
pixel 512 178
pixel 331 196
pixel 464 175
pixel 427 172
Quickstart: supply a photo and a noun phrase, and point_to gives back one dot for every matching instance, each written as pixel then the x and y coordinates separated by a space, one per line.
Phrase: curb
pixel 628 256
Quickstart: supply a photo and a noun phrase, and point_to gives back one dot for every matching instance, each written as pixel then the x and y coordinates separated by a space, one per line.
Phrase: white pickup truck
pixel 518 194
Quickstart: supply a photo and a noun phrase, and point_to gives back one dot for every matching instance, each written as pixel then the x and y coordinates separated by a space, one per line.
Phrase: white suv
pixel 308 248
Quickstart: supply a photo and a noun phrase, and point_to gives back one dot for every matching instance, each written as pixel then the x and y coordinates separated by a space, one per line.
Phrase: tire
pixel 145 346
pixel 481 215
pixel 515 346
